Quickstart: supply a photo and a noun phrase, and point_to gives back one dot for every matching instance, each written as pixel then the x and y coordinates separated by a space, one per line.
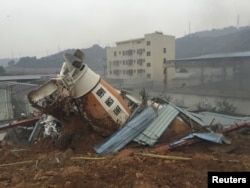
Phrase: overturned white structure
pixel 77 89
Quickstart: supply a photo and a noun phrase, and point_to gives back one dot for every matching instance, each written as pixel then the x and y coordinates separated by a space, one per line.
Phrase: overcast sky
pixel 41 27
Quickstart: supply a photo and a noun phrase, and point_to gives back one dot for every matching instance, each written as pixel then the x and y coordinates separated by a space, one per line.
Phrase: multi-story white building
pixel 142 58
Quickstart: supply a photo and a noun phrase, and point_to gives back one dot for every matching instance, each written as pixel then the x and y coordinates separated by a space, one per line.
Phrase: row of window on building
pixel 131 62
pixel 128 72
pixel 138 52
pixel 127 62
pixel 129 52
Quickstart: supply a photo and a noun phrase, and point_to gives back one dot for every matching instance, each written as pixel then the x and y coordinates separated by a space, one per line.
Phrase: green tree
pixel 2 71
pixel 11 63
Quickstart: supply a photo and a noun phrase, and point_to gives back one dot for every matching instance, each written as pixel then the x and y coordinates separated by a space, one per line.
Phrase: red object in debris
pixel 20 122
pixel 195 140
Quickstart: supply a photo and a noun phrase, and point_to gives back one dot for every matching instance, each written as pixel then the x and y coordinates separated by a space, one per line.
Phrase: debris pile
pixel 82 117
pixel 120 117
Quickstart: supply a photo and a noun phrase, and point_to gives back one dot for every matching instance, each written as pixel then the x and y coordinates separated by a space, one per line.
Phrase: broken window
pixel 109 101
pixel 100 92
pixel 117 110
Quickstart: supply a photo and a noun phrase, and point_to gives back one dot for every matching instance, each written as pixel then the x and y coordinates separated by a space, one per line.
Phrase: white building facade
pixel 142 58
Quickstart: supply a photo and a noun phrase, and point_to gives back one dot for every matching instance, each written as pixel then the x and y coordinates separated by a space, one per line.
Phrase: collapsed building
pixel 121 117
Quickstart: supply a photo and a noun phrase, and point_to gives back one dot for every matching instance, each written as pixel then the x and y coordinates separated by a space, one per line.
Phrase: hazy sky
pixel 41 27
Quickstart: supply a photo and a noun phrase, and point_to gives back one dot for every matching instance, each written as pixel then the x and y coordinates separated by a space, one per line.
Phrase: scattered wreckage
pixel 121 116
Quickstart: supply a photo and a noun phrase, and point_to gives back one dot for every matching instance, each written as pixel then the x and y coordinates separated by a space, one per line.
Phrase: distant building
pixel 142 59
pixel 212 68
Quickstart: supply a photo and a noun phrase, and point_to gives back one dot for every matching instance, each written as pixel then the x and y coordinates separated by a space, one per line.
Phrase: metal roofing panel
pixel 127 133
pixel 212 137
pixel 214 56
pixel 215 118
pixel 189 114
pixel 151 134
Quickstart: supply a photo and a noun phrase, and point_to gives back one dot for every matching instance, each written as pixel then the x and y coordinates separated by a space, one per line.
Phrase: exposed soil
pixel 54 164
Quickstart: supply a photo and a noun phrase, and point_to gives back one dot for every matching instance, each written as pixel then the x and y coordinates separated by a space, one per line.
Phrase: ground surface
pixel 54 164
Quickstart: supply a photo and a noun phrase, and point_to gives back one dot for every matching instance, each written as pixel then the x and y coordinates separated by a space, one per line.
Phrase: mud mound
pixel 72 162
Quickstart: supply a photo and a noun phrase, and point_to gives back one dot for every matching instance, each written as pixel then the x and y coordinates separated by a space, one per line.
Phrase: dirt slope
pixel 55 164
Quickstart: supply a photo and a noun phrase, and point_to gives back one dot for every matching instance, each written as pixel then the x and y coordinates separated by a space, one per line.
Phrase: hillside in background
pixel 4 62
pixel 94 58
pixel 230 39
pixel 225 40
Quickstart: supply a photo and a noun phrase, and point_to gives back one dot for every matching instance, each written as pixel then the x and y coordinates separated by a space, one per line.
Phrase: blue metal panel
pixel 189 114
pixel 215 118
pixel 212 137
pixel 154 131
pixel 127 133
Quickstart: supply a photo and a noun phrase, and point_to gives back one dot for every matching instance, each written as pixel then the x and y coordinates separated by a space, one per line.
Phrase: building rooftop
pixel 217 56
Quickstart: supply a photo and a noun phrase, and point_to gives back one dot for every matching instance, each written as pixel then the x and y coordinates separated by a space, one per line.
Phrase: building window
pixel 139 61
pixel 139 51
pixel 148 75
pixel 148 64
pixel 129 72
pixel 148 43
pixel 130 52
pixel 140 71
pixel 148 53
pixel 164 60
pixel 116 72
pixel 119 52
pixel 164 50
pixel 114 53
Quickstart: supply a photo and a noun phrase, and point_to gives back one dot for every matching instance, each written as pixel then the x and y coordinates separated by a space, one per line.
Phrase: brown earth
pixel 56 164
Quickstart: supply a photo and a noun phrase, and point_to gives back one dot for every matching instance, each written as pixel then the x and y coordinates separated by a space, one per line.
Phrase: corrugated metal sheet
pixel 126 134
pixel 212 137
pixel 154 131
pixel 189 114
pixel 215 118
pixel 216 56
